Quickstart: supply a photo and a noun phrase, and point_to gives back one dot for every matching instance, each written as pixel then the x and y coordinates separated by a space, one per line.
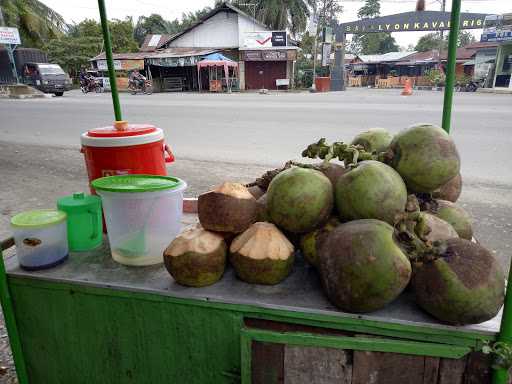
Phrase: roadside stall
pixel 218 72
pixel 304 298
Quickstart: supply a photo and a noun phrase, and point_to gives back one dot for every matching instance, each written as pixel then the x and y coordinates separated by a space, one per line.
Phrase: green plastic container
pixel 84 221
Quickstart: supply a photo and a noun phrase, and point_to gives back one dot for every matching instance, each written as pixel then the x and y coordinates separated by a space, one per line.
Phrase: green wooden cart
pixel 92 320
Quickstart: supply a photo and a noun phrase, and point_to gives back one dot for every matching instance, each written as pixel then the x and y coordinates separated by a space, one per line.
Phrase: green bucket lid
pixel 136 183
pixel 38 218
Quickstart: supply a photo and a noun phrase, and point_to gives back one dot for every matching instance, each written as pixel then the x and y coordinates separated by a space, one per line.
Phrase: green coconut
pixel 439 229
pixel 374 140
pixel 299 199
pixel 450 191
pixel 262 254
pixel 463 285
pixel 311 242
pixel 362 268
pixel 196 257
pixel 372 190
pixel 425 156
pixel 333 171
pixel 229 207
pixel 457 217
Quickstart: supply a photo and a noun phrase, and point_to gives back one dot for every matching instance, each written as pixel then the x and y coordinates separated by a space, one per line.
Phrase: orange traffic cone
pixel 407 88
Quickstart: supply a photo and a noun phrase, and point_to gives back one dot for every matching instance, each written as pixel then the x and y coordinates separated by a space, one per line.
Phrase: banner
pixel 265 39
pixel 9 36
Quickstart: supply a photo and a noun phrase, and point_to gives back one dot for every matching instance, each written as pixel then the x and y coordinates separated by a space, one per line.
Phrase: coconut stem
pixel 350 154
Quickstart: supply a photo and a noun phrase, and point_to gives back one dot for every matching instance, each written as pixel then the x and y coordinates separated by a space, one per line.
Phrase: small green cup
pixel 84 221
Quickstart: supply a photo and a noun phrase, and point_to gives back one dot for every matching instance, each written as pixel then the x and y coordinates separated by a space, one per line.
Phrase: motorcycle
pixel 145 88
pixel 90 85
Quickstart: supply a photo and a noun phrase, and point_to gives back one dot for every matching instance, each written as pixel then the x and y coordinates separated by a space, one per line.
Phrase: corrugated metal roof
pixel 162 40
pixel 386 57
pixel 182 52
pixel 123 56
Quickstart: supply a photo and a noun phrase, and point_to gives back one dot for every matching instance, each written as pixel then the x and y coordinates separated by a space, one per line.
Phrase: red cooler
pixel 125 149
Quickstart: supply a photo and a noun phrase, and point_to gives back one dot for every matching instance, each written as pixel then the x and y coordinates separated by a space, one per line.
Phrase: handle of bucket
pixel 170 156
pixel 95 227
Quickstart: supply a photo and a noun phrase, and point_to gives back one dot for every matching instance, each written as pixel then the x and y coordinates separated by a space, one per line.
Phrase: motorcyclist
pixel 83 77
pixel 137 78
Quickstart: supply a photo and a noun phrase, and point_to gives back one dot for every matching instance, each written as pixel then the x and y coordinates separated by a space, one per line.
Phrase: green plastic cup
pixel 84 221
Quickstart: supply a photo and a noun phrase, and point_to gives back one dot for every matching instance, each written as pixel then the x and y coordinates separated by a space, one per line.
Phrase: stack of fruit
pixel 375 216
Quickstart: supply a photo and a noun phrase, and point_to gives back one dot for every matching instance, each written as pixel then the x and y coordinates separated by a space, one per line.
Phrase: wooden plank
pixel 478 369
pixel 387 368
pixel 306 365
pixel 267 363
pixel 431 370
pixel 451 371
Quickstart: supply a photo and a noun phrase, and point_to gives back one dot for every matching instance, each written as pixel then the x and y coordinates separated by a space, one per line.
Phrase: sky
pixel 75 10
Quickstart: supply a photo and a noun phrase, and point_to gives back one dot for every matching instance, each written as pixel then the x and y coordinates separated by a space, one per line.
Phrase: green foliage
pixel 430 41
pixel 435 77
pixel 152 24
pixel 465 38
pixel 462 79
pixel 122 35
pixel 73 53
pixel 502 353
pixel 36 22
pixel 372 43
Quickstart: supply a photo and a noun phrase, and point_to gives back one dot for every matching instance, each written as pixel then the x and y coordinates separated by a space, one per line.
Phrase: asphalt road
pixel 220 137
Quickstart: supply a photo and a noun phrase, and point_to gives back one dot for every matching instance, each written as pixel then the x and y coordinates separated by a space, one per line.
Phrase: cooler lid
pixel 78 202
pixel 136 183
pixel 122 129
pixel 38 218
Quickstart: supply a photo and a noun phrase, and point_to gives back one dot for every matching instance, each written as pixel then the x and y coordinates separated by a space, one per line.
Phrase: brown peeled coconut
pixel 311 242
pixel 450 191
pixel 362 267
pixel 262 254
pixel 463 284
pixel 196 257
pixel 457 217
pixel 256 191
pixel 229 207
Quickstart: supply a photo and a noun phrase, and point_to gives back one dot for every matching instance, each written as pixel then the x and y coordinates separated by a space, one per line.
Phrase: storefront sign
pixel 497 28
pixel 264 39
pixel 121 65
pixel 413 21
pixel 9 36
pixel 266 55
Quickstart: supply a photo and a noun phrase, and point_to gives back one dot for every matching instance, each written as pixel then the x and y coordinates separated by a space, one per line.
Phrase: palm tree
pixel 280 14
pixel 36 22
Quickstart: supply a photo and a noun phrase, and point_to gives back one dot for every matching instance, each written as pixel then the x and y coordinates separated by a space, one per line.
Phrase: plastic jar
pixel 143 215
pixel 41 238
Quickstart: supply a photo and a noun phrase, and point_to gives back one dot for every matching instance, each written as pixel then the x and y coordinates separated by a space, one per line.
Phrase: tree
pixel 465 38
pixel 372 43
pixel 73 53
pixel 122 35
pixel 152 24
pixel 36 22
pixel 430 41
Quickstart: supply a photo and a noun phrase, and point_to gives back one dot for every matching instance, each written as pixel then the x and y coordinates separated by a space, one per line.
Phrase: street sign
pixel 9 36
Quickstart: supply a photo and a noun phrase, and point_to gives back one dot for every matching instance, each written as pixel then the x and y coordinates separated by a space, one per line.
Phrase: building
pixel 263 55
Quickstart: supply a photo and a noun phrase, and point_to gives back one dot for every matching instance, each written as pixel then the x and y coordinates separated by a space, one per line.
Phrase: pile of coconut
pixel 375 216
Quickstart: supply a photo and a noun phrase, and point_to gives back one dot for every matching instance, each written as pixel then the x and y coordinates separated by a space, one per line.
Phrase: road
pixel 236 136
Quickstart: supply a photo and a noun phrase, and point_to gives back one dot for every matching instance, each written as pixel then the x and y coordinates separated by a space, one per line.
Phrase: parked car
pixel 48 78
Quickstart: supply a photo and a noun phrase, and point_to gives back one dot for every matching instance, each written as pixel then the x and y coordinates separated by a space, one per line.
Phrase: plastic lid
pixel 38 218
pixel 78 201
pixel 122 129
pixel 136 183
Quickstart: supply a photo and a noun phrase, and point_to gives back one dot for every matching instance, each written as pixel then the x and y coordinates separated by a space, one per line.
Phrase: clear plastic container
pixel 41 238
pixel 143 215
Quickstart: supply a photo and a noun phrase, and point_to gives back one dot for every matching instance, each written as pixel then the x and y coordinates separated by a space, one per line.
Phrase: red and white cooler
pixel 125 149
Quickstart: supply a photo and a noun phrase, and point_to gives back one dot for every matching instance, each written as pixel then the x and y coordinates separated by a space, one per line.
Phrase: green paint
pixel 450 67
pixel 10 324
pixel 110 62
pixel 246 357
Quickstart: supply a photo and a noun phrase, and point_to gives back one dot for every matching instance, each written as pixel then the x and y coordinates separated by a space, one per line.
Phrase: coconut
pixel 373 140
pixel 372 190
pixel 262 208
pixel 333 171
pixel 311 242
pixel 449 191
pixel 439 229
pixel 299 199
pixel 262 254
pixel 425 156
pixel 228 208
pixel 457 217
pixel 362 268
pixel 196 257
pixel 462 285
